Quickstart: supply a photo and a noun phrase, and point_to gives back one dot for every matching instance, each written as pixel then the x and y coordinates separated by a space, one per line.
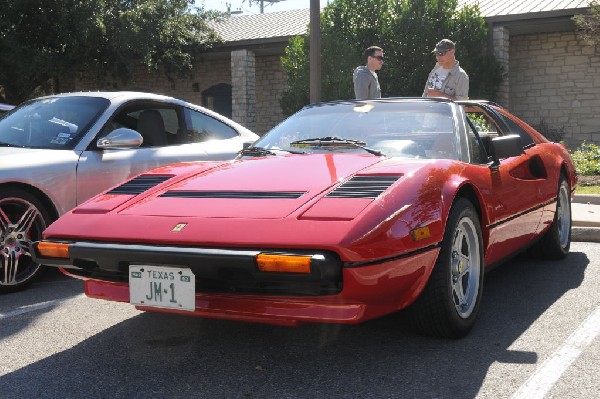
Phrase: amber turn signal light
pixel 283 263
pixel 420 234
pixel 53 249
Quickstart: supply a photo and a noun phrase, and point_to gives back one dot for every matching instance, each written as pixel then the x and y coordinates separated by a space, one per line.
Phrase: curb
pixel 585 234
pixel 584 230
pixel 592 199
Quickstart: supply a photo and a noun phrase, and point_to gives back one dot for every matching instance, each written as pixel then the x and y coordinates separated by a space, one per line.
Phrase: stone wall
pixel 271 81
pixel 555 78
pixel 501 45
pixel 243 82
pixel 206 73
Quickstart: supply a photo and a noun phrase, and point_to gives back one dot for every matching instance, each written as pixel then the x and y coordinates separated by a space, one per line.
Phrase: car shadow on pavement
pixel 44 295
pixel 156 355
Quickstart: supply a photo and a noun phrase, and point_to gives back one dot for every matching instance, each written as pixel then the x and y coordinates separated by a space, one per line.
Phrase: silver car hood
pixel 15 158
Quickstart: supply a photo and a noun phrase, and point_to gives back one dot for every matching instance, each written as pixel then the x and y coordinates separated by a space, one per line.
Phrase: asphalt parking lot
pixel 537 336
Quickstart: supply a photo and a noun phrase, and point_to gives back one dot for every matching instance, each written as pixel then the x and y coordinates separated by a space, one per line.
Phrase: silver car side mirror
pixel 120 138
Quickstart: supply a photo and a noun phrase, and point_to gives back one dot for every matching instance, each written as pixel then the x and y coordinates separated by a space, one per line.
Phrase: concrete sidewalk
pixel 586 218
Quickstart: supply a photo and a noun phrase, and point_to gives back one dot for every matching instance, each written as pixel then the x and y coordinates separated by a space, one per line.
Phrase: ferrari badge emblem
pixel 179 227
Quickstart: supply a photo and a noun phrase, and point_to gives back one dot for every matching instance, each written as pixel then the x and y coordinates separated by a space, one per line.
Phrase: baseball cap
pixel 444 45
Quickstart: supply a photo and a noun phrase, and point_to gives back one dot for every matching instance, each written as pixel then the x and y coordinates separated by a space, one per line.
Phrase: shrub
pixel 587 159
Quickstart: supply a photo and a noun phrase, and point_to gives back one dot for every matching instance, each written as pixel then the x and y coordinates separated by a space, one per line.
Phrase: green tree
pixel 589 24
pixel 407 30
pixel 44 40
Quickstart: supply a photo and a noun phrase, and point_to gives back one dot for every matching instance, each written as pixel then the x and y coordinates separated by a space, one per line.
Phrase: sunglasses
pixel 441 53
pixel 379 57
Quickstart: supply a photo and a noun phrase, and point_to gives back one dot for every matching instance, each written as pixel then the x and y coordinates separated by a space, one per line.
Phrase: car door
pixel 513 199
pixel 168 138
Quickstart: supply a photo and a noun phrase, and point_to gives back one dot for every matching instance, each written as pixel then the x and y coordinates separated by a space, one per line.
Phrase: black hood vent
pixel 364 187
pixel 140 184
pixel 235 194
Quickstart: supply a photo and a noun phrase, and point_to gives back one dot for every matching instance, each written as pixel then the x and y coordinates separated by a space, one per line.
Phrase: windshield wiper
pixel 256 151
pixel 260 151
pixel 332 140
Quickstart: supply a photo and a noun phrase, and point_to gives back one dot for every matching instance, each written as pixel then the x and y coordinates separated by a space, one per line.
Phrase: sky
pixel 253 6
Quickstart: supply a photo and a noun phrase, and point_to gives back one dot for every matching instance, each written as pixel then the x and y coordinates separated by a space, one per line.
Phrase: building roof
pixel 282 24
pixel 246 29
pixel 496 8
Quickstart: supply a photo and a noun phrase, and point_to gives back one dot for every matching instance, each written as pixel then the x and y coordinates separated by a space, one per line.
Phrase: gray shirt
pixel 456 83
pixel 366 84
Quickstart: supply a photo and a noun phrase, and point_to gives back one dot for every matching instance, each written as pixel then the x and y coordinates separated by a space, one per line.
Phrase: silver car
pixel 58 151
pixel 4 108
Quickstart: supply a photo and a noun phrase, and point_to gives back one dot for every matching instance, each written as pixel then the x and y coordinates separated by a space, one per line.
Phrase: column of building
pixel 501 44
pixel 243 82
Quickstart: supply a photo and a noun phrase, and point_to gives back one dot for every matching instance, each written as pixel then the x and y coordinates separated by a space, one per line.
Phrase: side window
pixel 477 146
pixel 486 128
pixel 202 127
pixel 482 122
pixel 515 128
pixel 158 126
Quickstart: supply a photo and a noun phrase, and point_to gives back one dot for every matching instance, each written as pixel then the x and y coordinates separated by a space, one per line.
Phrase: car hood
pixel 16 158
pixel 270 187
pixel 18 151
pixel 312 200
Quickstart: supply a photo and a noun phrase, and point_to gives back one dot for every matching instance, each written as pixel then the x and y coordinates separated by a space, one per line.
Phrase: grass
pixel 587 190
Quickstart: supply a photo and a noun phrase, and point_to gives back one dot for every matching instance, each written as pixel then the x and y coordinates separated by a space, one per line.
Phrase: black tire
pixel 556 242
pixel 449 303
pixel 23 218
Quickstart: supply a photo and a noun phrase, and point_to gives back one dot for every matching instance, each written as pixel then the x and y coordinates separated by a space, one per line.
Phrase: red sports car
pixel 344 212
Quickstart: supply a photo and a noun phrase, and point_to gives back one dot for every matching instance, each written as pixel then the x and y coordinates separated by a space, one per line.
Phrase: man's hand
pixel 438 93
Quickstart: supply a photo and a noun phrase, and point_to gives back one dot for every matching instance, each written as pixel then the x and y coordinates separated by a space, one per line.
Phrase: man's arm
pixel 461 91
pixel 462 88
pixel 361 86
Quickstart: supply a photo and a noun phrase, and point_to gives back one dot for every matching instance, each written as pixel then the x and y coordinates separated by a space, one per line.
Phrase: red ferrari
pixel 344 212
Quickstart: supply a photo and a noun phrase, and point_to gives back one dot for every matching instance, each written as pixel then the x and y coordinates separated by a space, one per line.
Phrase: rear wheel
pixel 556 242
pixel 23 218
pixel 449 304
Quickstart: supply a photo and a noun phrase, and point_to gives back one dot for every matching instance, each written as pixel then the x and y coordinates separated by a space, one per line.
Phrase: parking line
pixel 37 306
pixel 542 381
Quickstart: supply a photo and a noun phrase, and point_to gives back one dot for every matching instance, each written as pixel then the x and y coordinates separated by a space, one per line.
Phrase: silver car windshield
pixel 396 129
pixel 51 123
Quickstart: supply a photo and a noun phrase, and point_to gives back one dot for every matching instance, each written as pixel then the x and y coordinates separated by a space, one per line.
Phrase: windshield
pixel 51 123
pixel 409 129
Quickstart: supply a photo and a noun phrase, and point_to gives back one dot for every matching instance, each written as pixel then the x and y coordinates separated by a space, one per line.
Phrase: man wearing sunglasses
pixel 366 82
pixel 447 78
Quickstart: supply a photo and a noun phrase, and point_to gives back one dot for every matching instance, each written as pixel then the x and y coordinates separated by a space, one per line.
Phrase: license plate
pixel 162 287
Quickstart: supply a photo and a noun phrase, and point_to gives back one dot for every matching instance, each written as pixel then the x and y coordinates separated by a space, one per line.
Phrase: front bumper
pixel 216 269
pixel 230 287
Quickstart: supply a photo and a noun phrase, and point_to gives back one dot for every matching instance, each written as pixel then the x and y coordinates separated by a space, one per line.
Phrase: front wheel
pixel 23 218
pixel 449 303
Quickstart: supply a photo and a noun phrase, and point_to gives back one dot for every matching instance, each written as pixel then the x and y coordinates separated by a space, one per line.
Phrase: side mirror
pixel 120 138
pixel 505 147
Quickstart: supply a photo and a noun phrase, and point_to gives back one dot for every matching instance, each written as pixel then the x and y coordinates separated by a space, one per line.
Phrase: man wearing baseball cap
pixel 447 78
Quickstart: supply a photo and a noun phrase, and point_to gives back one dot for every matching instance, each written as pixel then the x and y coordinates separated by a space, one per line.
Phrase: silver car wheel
pixel 449 303
pixel 563 211
pixel 21 222
pixel 556 241
pixel 465 267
